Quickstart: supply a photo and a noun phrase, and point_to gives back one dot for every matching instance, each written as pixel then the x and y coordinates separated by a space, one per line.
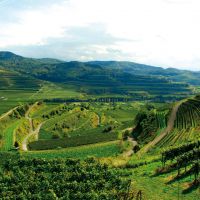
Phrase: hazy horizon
pixel 163 33
pixel 102 61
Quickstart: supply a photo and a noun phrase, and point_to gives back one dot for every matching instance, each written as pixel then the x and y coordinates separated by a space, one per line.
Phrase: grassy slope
pixel 157 187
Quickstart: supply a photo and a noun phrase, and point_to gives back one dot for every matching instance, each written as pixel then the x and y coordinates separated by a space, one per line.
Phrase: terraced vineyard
pixel 10 80
pixel 69 125
pixel 186 125
pixel 188 114
pixel 161 118
pixel 76 124
pixel 16 89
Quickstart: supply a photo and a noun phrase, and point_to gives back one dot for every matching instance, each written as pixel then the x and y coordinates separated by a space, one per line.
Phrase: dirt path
pixel 132 141
pixel 8 113
pixel 130 152
pixel 28 118
pixel 31 130
pixel 170 126
pixel 31 133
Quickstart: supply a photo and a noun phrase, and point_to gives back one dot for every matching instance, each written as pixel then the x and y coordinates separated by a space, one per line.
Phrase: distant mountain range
pixel 98 77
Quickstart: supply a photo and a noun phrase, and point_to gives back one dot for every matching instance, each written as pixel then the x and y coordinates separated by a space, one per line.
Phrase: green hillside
pixel 12 80
pixel 16 88
pixel 103 78
pixel 151 123
pixel 141 69
pixel 97 130
pixel 168 159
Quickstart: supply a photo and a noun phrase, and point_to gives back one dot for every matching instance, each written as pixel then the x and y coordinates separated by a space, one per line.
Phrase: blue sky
pixel 157 32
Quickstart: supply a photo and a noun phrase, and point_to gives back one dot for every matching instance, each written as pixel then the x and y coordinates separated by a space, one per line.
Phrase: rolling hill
pixel 153 144
pixel 172 74
pixel 104 78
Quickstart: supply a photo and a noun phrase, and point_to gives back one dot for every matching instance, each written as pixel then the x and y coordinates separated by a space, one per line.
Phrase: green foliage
pixel 183 156
pixel 163 186
pixel 83 123
pixel 126 134
pixel 108 129
pixel 174 152
pixel 146 125
pixel 20 111
pixel 149 124
pixel 12 98
pixel 161 119
pixel 61 179
pixel 149 121
pixel 8 155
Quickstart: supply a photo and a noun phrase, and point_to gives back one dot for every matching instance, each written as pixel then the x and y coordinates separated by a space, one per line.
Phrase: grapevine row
pixel 171 154
pixel 188 114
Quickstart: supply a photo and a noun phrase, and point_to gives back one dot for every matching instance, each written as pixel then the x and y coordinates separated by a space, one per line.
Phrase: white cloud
pixel 156 32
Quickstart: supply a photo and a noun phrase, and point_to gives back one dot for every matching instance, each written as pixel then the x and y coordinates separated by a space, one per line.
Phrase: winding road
pixel 32 132
pixel 168 129
pixel 133 144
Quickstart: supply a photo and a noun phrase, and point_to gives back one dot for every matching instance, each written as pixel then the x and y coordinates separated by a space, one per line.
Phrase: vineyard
pixel 188 114
pixel 185 159
pixel 161 119
pixel 63 179
pixel 66 125
pixel 149 123
pixel 100 130
pixel 99 150
pixel 73 141
pixel 74 124
pixel 81 130
pixel 186 125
